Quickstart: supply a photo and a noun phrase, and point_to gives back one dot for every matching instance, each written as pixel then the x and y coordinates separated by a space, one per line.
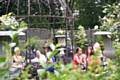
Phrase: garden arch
pixel 48 14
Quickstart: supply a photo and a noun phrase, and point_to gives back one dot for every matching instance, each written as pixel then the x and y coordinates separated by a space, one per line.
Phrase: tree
pixel 90 11
pixel 111 21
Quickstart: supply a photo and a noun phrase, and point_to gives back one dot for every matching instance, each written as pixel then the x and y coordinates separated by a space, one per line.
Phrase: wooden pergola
pixel 57 13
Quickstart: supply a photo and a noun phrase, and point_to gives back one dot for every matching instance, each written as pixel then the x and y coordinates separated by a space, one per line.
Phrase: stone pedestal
pixel 109 51
pixel 5 37
pixel 61 39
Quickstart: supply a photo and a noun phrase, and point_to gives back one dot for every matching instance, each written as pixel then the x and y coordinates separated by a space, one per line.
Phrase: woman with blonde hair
pixel 17 59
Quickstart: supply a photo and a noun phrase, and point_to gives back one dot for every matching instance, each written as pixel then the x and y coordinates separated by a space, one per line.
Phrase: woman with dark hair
pixel 89 52
pixel 79 59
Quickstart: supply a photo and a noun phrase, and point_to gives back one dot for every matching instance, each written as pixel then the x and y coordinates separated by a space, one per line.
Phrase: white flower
pixel 12 44
pixel 104 18
pixel 108 36
pixel 96 27
pixel 116 39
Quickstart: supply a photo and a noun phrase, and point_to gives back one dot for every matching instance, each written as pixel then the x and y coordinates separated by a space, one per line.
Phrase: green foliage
pixel 89 12
pixel 5 62
pixel 25 74
pixel 80 37
pixel 2 59
pixel 9 23
pixel 117 49
pixel 99 38
pixel 65 72
pixel 33 41
pixel 55 52
pixel 95 71
pixel 111 21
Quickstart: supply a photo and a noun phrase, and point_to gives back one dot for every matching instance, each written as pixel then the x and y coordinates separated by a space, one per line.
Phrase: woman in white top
pixel 39 57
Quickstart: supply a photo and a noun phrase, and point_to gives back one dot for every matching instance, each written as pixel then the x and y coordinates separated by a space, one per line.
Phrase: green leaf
pixel 23 24
pixel 53 53
pixel 21 29
pixel 2 59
